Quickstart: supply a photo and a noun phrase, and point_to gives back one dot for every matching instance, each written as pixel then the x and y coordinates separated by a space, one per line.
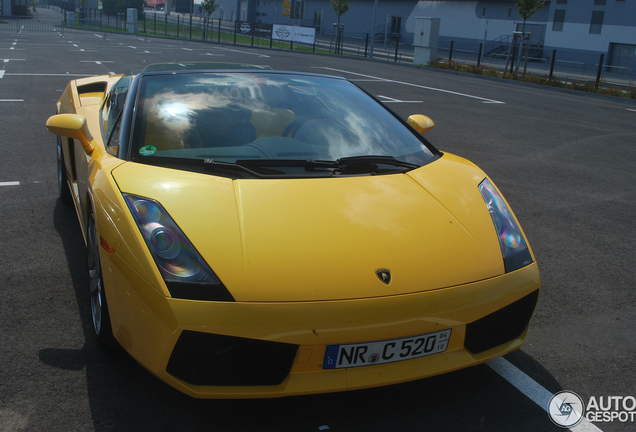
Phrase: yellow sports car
pixel 256 233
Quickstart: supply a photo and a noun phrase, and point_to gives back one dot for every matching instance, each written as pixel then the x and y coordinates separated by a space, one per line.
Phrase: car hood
pixel 325 239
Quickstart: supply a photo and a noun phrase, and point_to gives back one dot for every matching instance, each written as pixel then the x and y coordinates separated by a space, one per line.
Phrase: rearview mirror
pixel 421 123
pixel 72 126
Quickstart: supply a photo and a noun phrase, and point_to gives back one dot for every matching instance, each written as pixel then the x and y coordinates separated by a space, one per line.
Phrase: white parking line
pixel 532 389
pixel 245 52
pixel 11 183
pixel 96 61
pixel 2 73
pixel 485 100
pixel 11 100
pixel 387 99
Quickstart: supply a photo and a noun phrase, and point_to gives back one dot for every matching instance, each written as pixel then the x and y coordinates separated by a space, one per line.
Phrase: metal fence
pixel 196 28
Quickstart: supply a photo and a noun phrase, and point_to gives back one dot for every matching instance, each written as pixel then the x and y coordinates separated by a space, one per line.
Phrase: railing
pixel 186 27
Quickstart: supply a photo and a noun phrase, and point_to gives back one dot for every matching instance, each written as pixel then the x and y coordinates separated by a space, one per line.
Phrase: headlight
pixel 183 269
pixel 513 246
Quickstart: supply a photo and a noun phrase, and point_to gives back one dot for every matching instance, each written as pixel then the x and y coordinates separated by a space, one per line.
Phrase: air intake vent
pixel 98 87
pixel 218 360
pixel 501 326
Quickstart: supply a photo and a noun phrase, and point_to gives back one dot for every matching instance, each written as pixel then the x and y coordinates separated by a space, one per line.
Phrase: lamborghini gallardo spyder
pixel 257 233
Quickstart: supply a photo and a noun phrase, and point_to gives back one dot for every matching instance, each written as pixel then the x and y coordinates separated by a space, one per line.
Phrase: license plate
pixel 386 351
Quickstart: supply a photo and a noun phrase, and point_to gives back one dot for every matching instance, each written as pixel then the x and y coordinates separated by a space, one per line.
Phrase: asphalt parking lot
pixel 565 162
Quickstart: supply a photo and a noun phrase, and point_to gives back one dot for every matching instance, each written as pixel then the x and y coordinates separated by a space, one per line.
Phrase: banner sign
pixel 305 35
pixel 256 29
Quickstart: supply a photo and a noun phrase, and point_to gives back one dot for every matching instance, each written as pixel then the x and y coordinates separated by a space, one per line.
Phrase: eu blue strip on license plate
pixel 386 351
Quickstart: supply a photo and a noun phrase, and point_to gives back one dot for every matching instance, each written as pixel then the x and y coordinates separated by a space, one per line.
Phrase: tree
pixel 209 6
pixel 340 7
pixel 526 9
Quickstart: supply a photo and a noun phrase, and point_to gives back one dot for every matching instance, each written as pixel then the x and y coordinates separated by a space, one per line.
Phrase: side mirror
pixel 72 126
pixel 421 123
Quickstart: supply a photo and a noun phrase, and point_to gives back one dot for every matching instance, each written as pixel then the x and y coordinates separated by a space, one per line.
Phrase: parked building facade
pixel 579 30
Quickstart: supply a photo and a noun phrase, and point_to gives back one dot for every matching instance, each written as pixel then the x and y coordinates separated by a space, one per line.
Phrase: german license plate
pixel 386 351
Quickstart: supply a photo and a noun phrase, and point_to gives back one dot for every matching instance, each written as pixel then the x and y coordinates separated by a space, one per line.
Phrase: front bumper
pixel 280 347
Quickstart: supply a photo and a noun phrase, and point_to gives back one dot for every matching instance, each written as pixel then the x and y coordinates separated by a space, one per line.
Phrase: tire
pixel 100 316
pixel 62 180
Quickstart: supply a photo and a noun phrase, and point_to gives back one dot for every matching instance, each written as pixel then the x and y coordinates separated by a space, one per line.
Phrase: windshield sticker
pixel 148 150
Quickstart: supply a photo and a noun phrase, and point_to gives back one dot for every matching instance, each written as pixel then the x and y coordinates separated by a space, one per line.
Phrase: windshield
pixel 261 120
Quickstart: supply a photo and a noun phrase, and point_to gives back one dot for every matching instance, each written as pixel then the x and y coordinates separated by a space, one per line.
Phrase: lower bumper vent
pixel 218 360
pixel 501 326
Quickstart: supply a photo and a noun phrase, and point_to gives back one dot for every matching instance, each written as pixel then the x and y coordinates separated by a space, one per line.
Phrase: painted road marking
pixel 96 61
pixel 245 52
pixel 485 100
pixel 532 389
pixel 11 100
pixel 2 73
pixel 11 183
pixel 392 100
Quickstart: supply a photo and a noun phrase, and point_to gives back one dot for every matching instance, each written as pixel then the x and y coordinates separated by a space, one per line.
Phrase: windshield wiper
pixel 208 165
pixel 308 164
pixel 370 164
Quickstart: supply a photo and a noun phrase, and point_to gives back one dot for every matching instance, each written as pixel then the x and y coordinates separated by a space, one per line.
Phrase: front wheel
pixel 99 307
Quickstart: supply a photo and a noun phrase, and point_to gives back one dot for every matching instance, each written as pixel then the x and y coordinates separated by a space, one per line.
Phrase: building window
pixel 597 22
pixel 562 1
pixel 297 9
pixel 483 11
pixel 396 24
pixel 559 18
pixel 509 12
pixel 600 2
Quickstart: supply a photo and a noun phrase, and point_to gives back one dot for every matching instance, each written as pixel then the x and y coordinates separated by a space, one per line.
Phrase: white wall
pixel 578 35
pixel 459 20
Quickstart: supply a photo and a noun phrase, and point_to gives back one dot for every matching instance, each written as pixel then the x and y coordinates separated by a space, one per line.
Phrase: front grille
pixel 218 360
pixel 501 326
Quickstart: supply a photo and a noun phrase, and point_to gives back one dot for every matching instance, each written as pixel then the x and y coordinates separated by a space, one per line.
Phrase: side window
pixel 112 108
